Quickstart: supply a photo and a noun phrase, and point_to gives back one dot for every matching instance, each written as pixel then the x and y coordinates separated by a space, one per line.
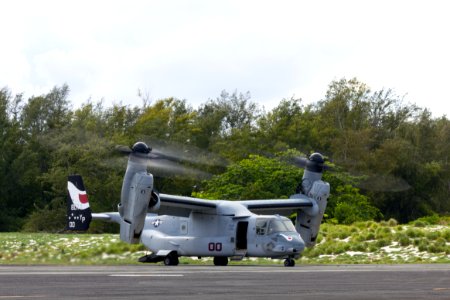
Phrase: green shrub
pixel 358 237
pixel 419 223
pixel 446 234
pixel 372 225
pixel 392 222
pixel 51 218
pixel 360 247
pixel 402 239
pixel 313 252
pixel 440 241
pixel 444 220
pixel 373 247
pixel 328 249
pixel 429 220
pixel 353 207
pixel 420 241
pixel 336 231
pixel 362 225
pixel 344 232
pixel 432 235
pixel 319 238
pixel 384 223
pixel 370 236
pixel 382 232
pixel 383 242
pixel 422 245
pixel 436 248
pixel 353 229
pixel 336 248
pixel 414 233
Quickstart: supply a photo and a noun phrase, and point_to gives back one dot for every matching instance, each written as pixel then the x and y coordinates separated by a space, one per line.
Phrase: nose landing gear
pixel 289 262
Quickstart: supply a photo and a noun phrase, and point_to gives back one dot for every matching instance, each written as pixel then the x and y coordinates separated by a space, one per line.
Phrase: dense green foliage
pixel 391 159
pixel 256 177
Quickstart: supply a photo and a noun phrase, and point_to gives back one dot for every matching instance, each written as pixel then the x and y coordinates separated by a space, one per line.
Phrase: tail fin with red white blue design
pixel 78 211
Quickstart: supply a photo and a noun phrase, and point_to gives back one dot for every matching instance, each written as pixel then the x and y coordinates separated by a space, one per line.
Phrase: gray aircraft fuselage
pixel 214 235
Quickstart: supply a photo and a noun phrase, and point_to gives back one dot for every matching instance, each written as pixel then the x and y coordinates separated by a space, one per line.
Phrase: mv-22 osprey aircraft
pixel 173 226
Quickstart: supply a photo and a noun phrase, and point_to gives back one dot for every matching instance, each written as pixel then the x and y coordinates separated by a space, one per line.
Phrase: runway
pixel 239 282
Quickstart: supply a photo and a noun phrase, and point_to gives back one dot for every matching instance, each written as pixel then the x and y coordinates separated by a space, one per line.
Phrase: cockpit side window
pixel 276 226
pixel 289 225
pixel 280 226
pixel 261 226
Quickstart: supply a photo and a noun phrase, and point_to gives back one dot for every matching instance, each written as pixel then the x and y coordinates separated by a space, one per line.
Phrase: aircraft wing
pixel 108 217
pixel 183 206
pixel 282 206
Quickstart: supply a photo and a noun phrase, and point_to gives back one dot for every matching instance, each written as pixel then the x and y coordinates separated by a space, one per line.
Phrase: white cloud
pixel 194 49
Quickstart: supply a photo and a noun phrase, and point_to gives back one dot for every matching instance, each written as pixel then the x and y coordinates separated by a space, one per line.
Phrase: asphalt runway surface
pixel 240 282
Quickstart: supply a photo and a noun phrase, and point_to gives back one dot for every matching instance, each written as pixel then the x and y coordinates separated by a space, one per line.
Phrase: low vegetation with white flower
pixel 360 243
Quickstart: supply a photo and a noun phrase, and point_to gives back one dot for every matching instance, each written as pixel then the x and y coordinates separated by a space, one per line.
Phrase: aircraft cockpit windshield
pixel 269 226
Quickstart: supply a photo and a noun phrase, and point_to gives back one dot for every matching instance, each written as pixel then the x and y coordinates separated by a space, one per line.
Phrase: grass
pixel 360 243
pixel 43 248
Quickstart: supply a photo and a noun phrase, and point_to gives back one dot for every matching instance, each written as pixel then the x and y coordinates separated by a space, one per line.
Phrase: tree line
pixel 389 159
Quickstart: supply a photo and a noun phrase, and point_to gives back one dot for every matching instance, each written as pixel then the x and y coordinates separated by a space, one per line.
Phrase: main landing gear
pixel 171 259
pixel 220 260
pixel 289 262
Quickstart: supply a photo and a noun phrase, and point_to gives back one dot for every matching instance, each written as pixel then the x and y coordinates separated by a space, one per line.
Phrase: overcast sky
pixel 195 49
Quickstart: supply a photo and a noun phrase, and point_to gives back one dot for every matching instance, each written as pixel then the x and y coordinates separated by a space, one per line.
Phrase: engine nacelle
pixel 133 207
pixel 308 225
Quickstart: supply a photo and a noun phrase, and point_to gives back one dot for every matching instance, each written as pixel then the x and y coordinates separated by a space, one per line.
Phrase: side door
pixel 241 235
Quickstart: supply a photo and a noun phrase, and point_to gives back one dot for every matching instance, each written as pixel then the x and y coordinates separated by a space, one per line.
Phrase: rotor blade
pixel 115 162
pixel 185 153
pixel 158 167
pixel 302 162
pixel 165 168
pixel 384 183
pixel 123 149
pixel 299 161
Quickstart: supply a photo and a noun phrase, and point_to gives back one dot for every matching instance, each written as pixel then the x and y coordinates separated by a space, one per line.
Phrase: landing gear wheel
pixel 220 260
pixel 171 260
pixel 289 262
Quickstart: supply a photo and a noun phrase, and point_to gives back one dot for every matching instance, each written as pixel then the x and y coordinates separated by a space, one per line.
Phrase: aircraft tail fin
pixel 78 211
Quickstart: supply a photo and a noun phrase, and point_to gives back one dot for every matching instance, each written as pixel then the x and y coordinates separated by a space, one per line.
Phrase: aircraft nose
pixel 298 248
pixel 289 243
pixel 297 245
